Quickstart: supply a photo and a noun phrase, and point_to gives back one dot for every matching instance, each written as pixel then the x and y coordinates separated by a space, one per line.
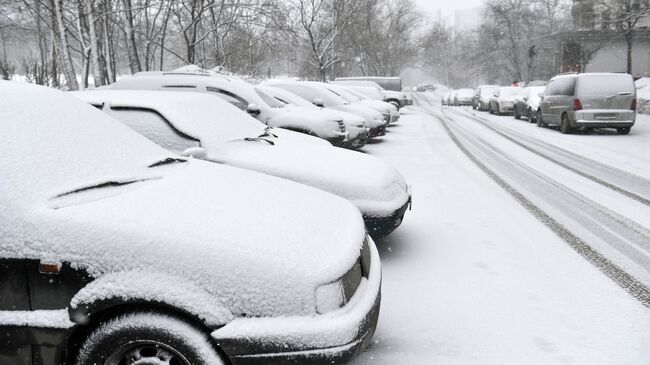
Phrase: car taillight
pixel 577 105
pixel 633 104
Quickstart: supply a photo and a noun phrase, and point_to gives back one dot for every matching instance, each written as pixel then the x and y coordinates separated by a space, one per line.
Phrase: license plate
pixel 608 116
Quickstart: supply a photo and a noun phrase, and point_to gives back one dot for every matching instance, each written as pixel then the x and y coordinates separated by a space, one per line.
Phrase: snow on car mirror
pixel 319 102
pixel 253 109
pixel 195 152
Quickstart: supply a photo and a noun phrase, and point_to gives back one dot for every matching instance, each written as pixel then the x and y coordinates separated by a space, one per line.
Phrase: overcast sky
pixel 447 6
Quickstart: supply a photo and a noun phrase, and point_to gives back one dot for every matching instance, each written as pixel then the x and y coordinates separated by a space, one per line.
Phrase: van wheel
pixel 625 130
pixel 565 128
pixel 147 338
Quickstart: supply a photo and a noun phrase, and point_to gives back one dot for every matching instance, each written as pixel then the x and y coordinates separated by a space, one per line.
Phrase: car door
pixel 546 102
pixel 14 304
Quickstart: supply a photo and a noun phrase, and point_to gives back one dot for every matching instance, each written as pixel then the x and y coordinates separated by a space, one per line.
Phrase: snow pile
pixel 256 243
pixel 643 95
pixel 36 319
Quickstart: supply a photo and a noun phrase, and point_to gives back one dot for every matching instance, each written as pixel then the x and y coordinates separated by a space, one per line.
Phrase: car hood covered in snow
pixel 78 186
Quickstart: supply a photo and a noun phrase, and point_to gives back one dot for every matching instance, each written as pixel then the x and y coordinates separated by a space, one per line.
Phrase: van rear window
pixel 605 85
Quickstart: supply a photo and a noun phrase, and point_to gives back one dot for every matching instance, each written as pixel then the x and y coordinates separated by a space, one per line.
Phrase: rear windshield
pixel 604 85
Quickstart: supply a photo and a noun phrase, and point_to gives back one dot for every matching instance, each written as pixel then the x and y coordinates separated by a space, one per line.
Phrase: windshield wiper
pixel 100 186
pixel 167 161
pixel 267 133
pixel 259 139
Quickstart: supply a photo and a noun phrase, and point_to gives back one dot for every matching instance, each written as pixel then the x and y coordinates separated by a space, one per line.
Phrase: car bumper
pixel 332 338
pixel 338 140
pixel 377 131
pixel 604 118
pixel 379 227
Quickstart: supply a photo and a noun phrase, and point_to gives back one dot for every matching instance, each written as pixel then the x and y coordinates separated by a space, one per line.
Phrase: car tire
pixel 516 114
pixel 623 131
pixel 565 128
pixel 531 115
pixel 134 338
pixel 498 110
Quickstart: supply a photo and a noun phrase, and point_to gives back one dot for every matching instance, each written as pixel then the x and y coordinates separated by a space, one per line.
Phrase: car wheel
pixel 498 111
pixel 516 114
pixel 625 130
pixel 531 115
pixel 565 128
pixel 147 338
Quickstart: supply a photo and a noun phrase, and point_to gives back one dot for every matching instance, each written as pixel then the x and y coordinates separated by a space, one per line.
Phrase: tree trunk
pixel 108 46
pixel 131 47
pixel 628 41
pixel 94 45
pixel 68 67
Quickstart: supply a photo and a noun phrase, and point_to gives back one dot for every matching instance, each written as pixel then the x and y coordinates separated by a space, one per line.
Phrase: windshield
pixel 268 99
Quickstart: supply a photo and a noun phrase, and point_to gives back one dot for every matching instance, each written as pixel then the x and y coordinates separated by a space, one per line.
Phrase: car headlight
pixel 332 296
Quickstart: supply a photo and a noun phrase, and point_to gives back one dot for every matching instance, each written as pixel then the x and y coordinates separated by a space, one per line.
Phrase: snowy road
pixel 523 246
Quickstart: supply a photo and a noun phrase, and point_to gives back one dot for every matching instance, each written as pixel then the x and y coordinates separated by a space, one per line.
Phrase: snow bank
pixel 643 95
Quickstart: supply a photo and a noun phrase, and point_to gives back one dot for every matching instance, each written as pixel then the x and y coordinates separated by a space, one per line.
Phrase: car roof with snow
pixel 204 117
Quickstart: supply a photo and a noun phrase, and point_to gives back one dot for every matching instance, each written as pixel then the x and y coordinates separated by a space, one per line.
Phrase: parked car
pixel 180 121
pixel 320 95
pixel 388 111
pixel 116 251
pixel 528 106
pixel 396 97
pixel 247 98
pixel 356 127
pixel 589 100
pixel 464 97
pixel 371 93
pixel 504 98
pixel 482 96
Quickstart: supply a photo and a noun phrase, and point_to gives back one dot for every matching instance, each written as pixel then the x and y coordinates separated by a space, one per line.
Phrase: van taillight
pixel 633 104
pixel 577 105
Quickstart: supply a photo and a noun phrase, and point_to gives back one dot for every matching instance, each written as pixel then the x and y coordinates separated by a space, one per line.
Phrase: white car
pixel 183 122
pixel 464 97
pixel 320 95
pixel 397 98
pixel 246 97
pixel 114 249
pixel 356 127
pixel 387 110
pixel 504 98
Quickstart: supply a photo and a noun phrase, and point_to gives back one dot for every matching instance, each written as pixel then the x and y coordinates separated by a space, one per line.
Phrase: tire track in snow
pixel 636 187
pixel 625 280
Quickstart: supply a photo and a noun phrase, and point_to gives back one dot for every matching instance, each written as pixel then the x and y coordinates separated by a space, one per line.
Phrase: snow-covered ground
pixel 471 277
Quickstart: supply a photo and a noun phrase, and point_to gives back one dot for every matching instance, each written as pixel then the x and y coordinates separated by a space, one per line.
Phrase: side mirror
pixel 319 102
pixel 195 152
pixel 525 98
pixel 253 109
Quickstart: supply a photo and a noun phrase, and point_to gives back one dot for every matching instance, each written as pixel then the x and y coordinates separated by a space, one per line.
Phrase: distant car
pixel 247 98
pixel 482 96
pixel 394 96
pixel 320 95
pixel 504 98
pixel 589 100
pixel 464 97
pixel 528 106
pixel 358 132
pixel 116 251
pixel 388 111
pixel 183 122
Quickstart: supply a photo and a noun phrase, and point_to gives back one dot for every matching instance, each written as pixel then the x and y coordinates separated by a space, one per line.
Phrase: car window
pixel 564 86
pixel 155 127
pixel 605 85
pixel 268 99
pixel 229 97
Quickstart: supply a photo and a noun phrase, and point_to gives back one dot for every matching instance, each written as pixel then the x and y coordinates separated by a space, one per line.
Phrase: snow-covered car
pixel 184 122
pixel 482 96
pixel 356 127
pixel 528 106
pixel 116 251
pixel 504 98
pixel 320 95
pixel 388 111
pixel 397 98
pixel 246 97
pixel 464 97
